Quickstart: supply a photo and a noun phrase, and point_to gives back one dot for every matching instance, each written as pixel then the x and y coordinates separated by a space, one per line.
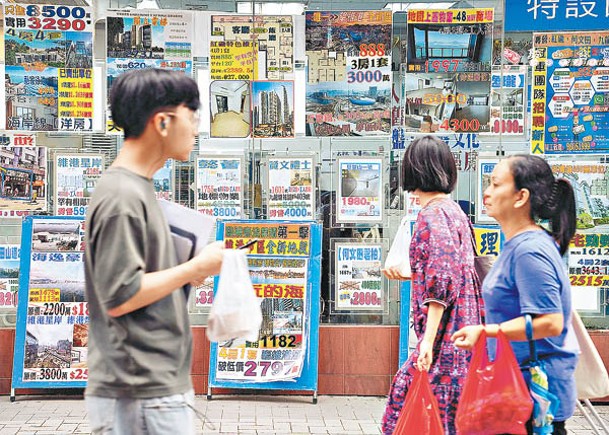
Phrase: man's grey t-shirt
pixel 145 353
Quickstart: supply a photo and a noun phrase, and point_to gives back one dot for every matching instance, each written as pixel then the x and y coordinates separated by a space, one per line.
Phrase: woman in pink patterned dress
pixel 445 288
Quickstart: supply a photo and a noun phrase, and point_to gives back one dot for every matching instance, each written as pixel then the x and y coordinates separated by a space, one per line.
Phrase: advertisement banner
pixel 279 265
pixel 570 104
pixel 245 47
pixel 291 184
pixel 52 315
pixel 220 186
pixel 139 39
pixel 204 293
pixel 359 196
pixel 75 178
pixel 49 68
pixel 348 89
pixel 555 16
pixel 9 276
pixel 359 282
pixel 508 84
pixel 23 180
pixel 589 249
pixel 273 113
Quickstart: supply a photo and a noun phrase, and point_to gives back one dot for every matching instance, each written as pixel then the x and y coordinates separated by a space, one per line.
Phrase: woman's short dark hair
pixel 429 166
pixel 137 95
pixel 550 198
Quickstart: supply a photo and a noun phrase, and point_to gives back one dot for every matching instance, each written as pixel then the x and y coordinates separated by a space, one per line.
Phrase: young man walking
pixel 139 333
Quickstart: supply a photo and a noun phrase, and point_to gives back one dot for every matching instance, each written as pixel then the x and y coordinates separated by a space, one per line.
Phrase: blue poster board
pixel 529 16
pixel 285 267
pixel 52 315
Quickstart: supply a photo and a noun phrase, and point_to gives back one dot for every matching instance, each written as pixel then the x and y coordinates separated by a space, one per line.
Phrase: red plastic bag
pixel 420 413
pixel 495 397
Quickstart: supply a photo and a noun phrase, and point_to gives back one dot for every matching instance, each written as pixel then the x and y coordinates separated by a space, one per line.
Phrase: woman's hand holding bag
pixel 420 413
pixel 495 397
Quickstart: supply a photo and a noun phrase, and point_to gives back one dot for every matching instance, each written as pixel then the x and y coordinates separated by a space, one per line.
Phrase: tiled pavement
pixel 229 415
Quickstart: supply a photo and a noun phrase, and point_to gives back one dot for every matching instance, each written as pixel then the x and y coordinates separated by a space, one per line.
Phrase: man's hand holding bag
pixel 235 313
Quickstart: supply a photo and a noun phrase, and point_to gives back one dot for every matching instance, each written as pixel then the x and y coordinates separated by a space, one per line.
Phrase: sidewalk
pixel 277 415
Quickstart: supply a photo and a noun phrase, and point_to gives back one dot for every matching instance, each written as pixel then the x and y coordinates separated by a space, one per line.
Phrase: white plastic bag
pixel 235 313
pixel 399 253
pixel 590 374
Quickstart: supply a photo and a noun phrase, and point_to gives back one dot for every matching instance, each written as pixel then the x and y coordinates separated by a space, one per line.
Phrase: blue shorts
pixel 127 416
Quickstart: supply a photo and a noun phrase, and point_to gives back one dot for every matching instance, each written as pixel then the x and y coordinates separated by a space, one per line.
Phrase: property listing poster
pixel 245 47
pixel 23 180
pixel 359 196
pixel 348 90
pixel 9 276
pixel 231 111
pixel 508 84
pixel 278 267
pixel 140 39
pixel 448 79
pixel 75 178
pixel 290 187
pixel 163 181
pixel 10 139
pixel 52 307
pixel 359 283
pixel 204 293
pixel 273 109
pixel 588 258
pixel 220 186
pixel 485 169
pixel 49 67
pixel 570 102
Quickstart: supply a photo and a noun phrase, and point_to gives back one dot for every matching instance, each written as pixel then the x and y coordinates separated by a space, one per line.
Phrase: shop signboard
pixel 52 315
pixel 359 192
pixel 9 277
pixel 140 39
pixel 49 67
pixel 555 16
pixel 23 180
pixel 291 188
pixel 75 178
pixel 570 101
pixel 348 91
pixel 246 47
pixel 358 278
pixel 588 257
pixel 285 270
pixel 508 106
pixel 220 186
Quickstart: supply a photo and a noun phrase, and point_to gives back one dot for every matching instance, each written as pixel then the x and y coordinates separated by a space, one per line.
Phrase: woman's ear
pixel 522 197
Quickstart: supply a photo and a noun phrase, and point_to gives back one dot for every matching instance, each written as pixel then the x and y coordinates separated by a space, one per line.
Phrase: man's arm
pixel 156 285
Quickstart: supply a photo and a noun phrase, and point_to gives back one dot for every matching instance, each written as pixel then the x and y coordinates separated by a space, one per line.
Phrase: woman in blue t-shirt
pixel 529 277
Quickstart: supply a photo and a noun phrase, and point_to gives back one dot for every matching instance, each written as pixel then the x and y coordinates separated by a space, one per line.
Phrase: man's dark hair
pixel 429 166
pixel 137 95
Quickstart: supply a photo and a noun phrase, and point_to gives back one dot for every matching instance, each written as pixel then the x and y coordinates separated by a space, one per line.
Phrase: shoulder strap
pixel 528 320
pixel 473 237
